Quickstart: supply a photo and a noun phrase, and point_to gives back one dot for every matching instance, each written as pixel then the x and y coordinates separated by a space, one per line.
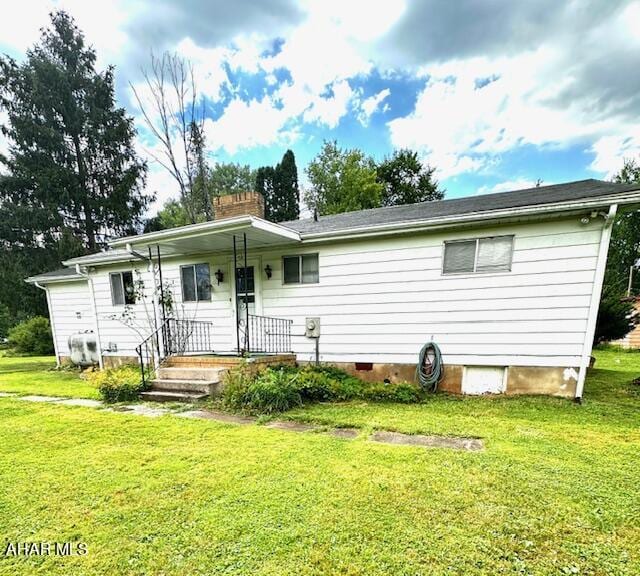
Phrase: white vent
pixel 484 380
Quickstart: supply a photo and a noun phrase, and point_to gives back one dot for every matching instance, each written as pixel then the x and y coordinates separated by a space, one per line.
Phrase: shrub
pixel 273 391
pixel 236 387
pixel 268 391
pixel 328 383
pixel 403 392
pixel 118 384
pixel 33 336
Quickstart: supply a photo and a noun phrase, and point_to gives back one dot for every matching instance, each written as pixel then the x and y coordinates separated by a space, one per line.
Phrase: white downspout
pixel 601 265
pixel 94 308
pixel 51 322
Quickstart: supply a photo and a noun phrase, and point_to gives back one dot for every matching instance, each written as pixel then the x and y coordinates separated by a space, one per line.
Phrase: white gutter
pixel 445 221
pixel 94 307
pixel 601 265
pixel 51 322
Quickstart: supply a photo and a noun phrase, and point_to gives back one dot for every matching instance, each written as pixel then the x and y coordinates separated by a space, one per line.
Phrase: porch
pixel 189 339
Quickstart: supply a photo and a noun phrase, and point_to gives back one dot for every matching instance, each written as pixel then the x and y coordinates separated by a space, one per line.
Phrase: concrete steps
pixel 172 396
pixel 184 384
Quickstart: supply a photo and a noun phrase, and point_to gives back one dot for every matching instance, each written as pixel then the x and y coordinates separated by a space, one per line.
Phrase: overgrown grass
pixel 555 491
pixel 38 375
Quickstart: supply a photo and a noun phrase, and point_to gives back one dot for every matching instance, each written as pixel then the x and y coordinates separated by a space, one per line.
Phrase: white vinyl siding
pixel 381 299
pixel 71 311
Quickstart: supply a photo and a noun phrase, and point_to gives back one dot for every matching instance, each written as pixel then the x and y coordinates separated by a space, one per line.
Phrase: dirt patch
pixel 347 433
pixel 471 444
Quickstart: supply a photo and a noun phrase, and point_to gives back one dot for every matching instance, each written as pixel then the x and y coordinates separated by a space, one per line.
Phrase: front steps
pixel 178 383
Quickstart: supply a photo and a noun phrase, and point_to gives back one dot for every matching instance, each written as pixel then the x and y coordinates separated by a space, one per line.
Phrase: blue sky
pixel 495 95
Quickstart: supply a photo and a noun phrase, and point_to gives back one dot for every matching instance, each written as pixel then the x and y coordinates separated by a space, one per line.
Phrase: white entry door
pixel 246 295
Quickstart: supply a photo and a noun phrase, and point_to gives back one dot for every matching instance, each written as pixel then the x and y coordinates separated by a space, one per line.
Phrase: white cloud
pixel 371 105
pixel 611 151
pixel 510 185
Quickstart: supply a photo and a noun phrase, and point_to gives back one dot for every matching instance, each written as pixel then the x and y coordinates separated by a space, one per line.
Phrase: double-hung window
pixel 196 283
pixel 122 289
pixel 492 254
pixel 301 269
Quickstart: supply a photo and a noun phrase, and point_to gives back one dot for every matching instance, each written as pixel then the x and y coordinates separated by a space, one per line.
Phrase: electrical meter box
pixel 312 328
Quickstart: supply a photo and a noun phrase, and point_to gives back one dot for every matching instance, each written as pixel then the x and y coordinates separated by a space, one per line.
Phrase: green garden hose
pixel 430 368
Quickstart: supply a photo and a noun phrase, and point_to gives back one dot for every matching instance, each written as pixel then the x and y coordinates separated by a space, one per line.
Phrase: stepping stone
pixel 5 394
pixel 217 416
pixel 86 402
pixel 471 444
pixel 140 410
pixel 346 433
pixel 36 398
pixel 291 426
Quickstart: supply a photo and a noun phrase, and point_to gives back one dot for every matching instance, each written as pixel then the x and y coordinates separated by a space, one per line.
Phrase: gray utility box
pixel 312 327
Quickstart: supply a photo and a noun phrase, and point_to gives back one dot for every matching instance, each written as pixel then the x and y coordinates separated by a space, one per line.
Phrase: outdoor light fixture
pixel 268 271
pixel 219 276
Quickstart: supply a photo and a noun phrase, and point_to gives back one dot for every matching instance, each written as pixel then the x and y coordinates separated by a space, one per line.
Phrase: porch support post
pixel 246 294
pixel 235 279
pixel 155 306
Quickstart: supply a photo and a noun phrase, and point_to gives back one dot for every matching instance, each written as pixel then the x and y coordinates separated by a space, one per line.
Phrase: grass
pixel 38 375
pixel 555 491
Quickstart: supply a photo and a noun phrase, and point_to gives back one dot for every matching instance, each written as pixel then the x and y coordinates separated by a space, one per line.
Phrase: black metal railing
pixel 174 336
pixel 269 335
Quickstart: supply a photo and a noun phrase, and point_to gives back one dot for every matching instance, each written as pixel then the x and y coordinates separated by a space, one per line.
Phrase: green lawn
pixel 37 375
pixel 555 492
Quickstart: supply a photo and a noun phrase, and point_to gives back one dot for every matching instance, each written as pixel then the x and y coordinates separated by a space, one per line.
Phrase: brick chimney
pixel 240 204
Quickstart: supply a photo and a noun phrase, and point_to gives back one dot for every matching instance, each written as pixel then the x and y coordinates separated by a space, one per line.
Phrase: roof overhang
pixel 216 236
pixel 550 210
pixel 48 279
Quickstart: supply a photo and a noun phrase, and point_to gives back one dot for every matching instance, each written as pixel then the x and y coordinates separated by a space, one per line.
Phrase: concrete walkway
pixel 380 436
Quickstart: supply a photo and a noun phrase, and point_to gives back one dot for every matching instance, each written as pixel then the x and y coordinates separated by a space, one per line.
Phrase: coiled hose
pixel 430 368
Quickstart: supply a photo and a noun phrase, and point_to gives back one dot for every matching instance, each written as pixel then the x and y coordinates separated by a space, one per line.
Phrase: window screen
pixel 122 288
pixel 309 268
pixel 459 257
pixel 117 290
pixel 494 254
pixel 478 255
pixel 301 269
pixel 196 283
pixel 291 265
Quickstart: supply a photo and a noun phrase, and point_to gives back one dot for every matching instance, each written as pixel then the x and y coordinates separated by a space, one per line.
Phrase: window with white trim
pixel 196 283
pixel 301 269
pixel 477 255
pixel 122 289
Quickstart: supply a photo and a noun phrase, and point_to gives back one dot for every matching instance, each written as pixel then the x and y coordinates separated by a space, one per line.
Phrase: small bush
pixel 33 336
pixel 328 383
pixel 120 384
pixel 271 390
pixel 403 392
pixel 236 387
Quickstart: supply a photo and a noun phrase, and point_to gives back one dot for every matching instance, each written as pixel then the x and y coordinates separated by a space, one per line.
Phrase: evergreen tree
pixel 71 177
pixel 72 162
pixel 279 187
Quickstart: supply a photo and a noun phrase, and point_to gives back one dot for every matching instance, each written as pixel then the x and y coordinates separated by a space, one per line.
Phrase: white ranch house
pixel 506 284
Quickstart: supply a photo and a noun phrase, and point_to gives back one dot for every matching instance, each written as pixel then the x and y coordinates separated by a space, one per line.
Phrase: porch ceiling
pixel 214 236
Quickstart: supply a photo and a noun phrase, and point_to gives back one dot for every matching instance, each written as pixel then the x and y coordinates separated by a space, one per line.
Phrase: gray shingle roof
pixel 60 274
pixel 557 193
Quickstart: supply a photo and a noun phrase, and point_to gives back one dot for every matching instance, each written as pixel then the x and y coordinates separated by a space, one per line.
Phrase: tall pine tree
pixel 72 162
pixel 71 178
pixel 279 187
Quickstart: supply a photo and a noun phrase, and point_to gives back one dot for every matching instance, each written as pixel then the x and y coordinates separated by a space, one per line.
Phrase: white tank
pixel 83 348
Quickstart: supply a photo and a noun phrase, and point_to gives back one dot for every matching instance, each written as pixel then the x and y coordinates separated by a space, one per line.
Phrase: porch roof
pixel 215 236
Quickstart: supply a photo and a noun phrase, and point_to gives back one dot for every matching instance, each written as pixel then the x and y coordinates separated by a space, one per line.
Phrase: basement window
pixel 492 254
pixel 301 269
pixel 196 283
pixel 122 289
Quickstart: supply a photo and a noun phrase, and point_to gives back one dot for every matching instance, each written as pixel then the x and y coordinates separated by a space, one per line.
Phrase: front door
pixel 247 299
